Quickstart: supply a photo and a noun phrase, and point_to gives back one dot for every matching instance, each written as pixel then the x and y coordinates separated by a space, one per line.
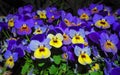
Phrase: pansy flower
pixel 96 8
pixel 40 29
pixel 108 43
pixel 42 14
pixel 3 22
pixel 83 55
pixel 11 20
pixel 103 22
pixel 66 36
pixel 41 47
pixel 67 18
pixel 55 40
pixel 16 45
pixel 52 14
pixel 25 9
pixel 24 27
pixel 96 67
pixel 84 14
pixel 10 58
pixel 115 71
pixel 68 53
pixel 77 36
pixel 78 22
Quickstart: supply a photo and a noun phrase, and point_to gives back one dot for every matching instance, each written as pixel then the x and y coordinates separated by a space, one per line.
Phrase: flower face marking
pixel 84 16
pixel 11 23
pixel 42 52
pixel 67 22
pixel 77 39
pixel 108 45
pixel 25 28
pixel 56 40
pixel 102 24
pixel 38 31
pixel 42 14
pixel 84 59
pixel 10 62
pixel 95 10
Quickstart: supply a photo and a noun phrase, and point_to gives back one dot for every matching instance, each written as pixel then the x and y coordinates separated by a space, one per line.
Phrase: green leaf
pixel 25 68
pixel 57 59
pixel 96 73
pixel 41 64
pixel 53 69
pixel 64 67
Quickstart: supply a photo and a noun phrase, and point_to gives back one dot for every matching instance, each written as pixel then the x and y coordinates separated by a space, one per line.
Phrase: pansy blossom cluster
pixel 90 38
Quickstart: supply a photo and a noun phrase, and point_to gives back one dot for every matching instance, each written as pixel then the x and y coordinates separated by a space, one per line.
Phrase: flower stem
pixel 4 33
pixel 27 38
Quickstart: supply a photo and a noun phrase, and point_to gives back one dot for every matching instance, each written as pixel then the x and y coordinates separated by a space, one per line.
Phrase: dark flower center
pixel 24 27
pixel 65 56
pixel 108 43
pixel 64 36
pixel 42 15
pixel 11 20
pixel 83 56
pixel 41 49
pixel 38 30
pixel 102 22
pixel 84 15
pixel 95 9
pixel 77 37
pixel 55 41
pixel 10 60
pixel 65 21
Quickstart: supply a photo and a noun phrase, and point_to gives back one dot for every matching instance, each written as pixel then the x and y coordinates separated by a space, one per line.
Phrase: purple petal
pixel 20 52
pixel 39 37
pixel 114 38
pixel 15 56
pixel 97 17
pixel 7 54
pixel 115 71
pixel 94 37
pixel 110 19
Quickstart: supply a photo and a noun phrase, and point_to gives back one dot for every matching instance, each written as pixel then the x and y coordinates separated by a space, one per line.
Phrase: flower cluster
pixel 89 39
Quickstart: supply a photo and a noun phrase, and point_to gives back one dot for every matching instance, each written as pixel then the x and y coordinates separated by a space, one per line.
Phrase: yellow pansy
pixel 96 67
pixel 42 14
pixel 10 62
pixel 11 23
pixel 38 31
pixel 102 23
pixel 42 52
pixel 56 40
pixel 78 39
pixel 84 59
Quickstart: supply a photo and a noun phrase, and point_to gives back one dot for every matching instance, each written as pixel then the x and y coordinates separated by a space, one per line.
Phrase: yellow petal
pixel 102 23
pixel 11 23
pixel 9 62
pixel 56 43
pixel 77 40
pixel 88 60
pixel 96 67
pixel 47 53
pixel 81 61
pixel 84 59
pixel 42 54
